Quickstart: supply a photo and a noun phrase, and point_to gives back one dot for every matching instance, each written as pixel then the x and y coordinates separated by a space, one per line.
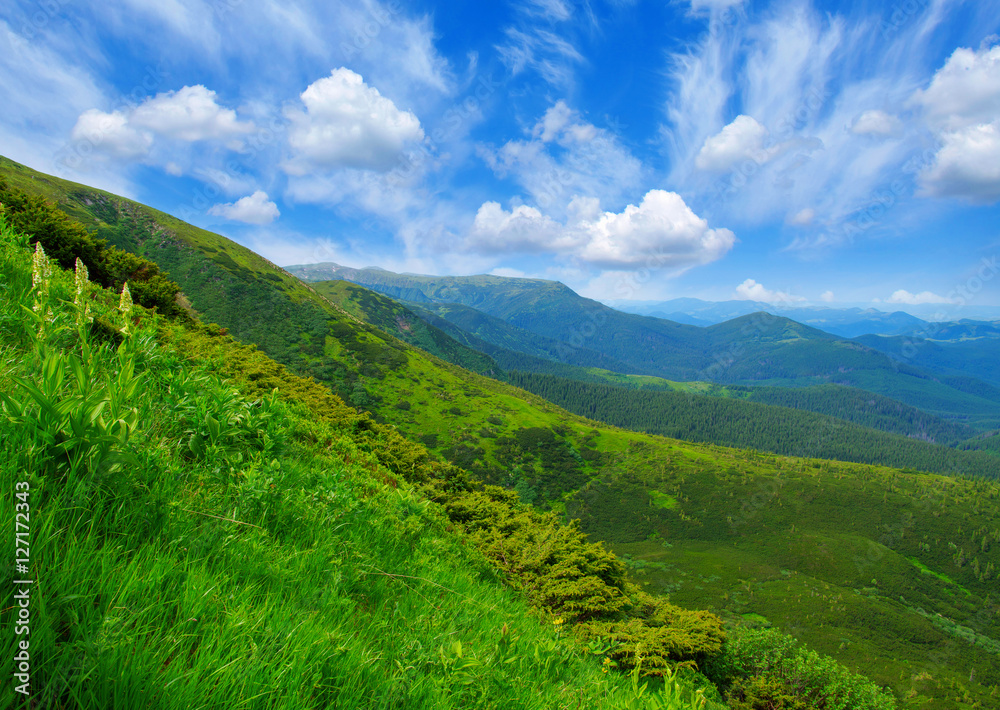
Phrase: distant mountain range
pixel 845 322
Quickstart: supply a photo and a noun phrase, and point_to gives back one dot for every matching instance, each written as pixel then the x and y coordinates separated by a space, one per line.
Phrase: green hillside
pixel 488 331
pixel 742 424
pixel 723 517
pixel 194 538
pixel 394 318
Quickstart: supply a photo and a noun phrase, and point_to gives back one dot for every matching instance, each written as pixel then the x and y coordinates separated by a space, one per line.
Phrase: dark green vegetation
pixel 711 526
pixel 860 407
pixel 735 422
pixel 759 349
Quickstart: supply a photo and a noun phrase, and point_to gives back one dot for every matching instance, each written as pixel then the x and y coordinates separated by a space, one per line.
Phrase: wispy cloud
pixel 772 118
pixel 540 40
pixel 564 157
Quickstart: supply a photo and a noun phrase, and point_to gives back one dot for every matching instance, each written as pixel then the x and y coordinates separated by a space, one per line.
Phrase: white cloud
pixel 750 290
pixel 522 229
pixel 348 124
pixel 915 299
pixel 962 103
pixel 660 232
pixel 549 9
pixel 827 297
pixel 741 140
pixel 965 91
pixel 189 114
pixel 129 134
pixel 534 42
pixel 968 165
pixel 252 209
pixel 111 134
pixel 876 123
pixel 697 5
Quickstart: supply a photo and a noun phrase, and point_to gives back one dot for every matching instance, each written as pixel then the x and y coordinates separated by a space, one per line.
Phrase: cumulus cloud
pixel 521 229
pixel 742 139
pixel 965 91
pixel 827 297
pixel 661 231
pixel 111 134
pixel 962 103
pixel 662 228
pixel 750 290
pixel 252 209
pixel 348 124
pixel 876 123
pixel 189 114
pixel 967 165
pixel 916 299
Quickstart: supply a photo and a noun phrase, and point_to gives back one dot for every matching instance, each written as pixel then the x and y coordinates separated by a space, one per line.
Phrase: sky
pixel 792 152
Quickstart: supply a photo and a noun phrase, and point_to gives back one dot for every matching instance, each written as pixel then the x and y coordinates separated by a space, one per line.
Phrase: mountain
pixel 845 322
pixel 396 319
pixel 958 331
pixel 758 349
pixel 873 566
pixel 963 357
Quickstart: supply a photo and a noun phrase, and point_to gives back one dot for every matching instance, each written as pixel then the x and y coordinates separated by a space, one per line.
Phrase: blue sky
pixel 793 152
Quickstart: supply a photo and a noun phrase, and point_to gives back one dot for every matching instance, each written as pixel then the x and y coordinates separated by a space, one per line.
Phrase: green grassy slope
pixel 630 481
pixel 192 543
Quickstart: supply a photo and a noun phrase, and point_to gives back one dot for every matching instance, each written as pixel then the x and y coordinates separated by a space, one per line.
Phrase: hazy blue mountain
pixel 845 322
